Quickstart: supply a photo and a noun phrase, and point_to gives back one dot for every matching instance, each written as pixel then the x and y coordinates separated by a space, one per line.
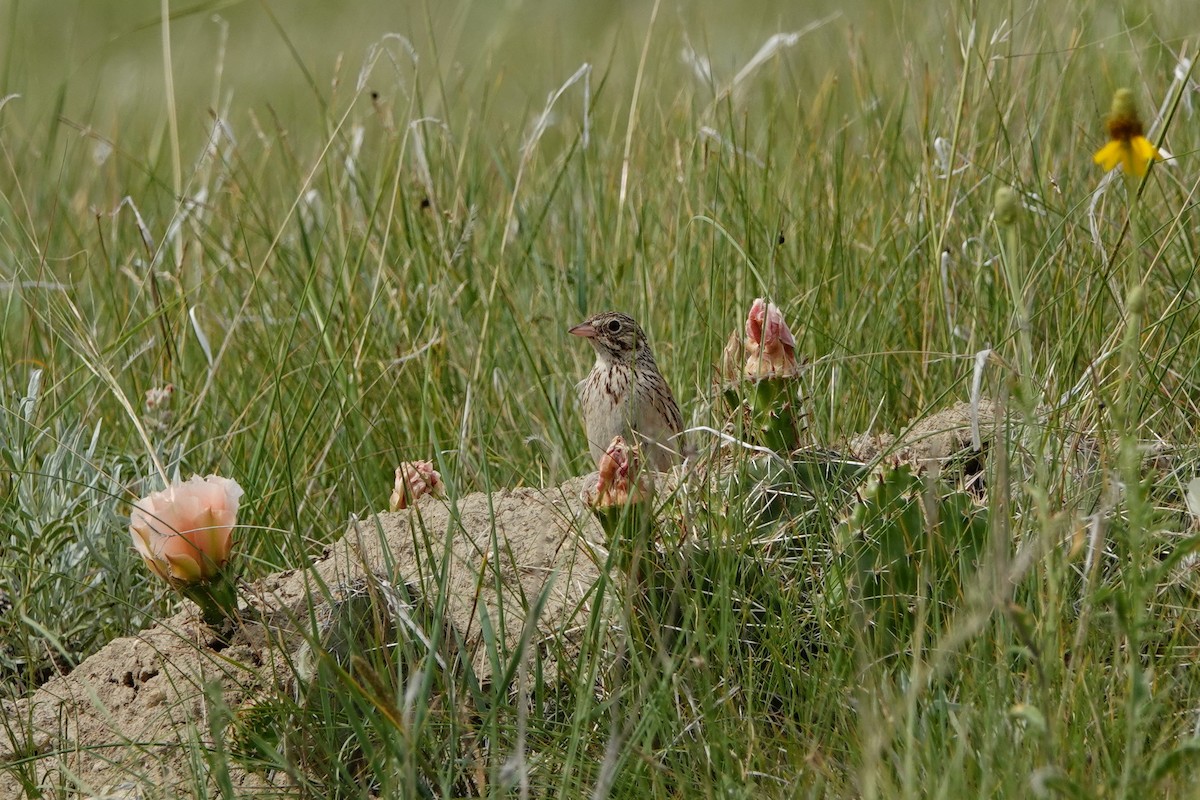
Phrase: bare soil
pixel 132 721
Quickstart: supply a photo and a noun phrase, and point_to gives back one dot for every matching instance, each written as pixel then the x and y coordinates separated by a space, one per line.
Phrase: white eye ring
pixel 614 326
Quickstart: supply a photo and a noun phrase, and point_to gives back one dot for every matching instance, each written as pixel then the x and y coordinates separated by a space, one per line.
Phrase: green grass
pixel 375 254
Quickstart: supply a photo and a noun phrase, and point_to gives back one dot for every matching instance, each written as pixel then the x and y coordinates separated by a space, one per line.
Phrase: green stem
pixel 628 531
pixel 1133 578
pixel 217 599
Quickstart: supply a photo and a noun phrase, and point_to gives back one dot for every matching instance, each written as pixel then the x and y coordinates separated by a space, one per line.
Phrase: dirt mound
pixel 931 439
pixel 133 716
pixel 130 721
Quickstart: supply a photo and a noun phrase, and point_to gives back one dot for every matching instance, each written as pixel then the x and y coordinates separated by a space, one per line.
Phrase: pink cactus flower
pixel 770 346
pixel 414 479
pixel 185 532
pixel 620 479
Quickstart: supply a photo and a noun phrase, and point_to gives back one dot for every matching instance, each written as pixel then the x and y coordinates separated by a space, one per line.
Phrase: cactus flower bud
pixel 768 394
pixel 621 496
pixel 770 346
pixel 620 479
pixel 414 479
pixel 1005 206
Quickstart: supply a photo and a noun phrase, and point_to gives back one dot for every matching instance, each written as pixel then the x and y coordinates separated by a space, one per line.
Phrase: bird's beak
pixel 583 329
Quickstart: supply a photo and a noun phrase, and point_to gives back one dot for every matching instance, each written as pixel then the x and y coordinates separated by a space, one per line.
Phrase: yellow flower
pixel 1127 144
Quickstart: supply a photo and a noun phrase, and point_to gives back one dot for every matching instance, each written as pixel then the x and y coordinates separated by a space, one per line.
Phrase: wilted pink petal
pixel 184 533
pixel 733 358
pixel 414 479
pixel 157 396
pixel 621 479
pixel 770 346
pixel 754 321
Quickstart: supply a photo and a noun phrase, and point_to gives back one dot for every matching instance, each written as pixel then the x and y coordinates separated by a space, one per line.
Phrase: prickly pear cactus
pixel 772 411
pixel 905 538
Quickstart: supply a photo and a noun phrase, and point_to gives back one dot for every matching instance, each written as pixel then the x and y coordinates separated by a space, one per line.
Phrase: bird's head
pixel 616 337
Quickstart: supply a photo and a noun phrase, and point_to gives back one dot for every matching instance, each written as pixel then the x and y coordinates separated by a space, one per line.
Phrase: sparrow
pixel 625 394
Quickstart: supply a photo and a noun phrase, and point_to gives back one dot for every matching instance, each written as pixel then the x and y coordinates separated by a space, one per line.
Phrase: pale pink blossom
pixel 414 479
pixel 770 346
pixel 185 532
pixel 158 396
pixel 620 479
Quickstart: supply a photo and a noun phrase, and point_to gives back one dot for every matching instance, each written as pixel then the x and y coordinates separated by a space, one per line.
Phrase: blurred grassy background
pixel 100 62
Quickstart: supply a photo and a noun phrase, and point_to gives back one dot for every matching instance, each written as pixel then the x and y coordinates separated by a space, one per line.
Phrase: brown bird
pixel 625 394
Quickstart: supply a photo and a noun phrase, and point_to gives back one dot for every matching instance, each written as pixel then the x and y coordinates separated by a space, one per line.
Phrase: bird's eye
pixel 614 326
